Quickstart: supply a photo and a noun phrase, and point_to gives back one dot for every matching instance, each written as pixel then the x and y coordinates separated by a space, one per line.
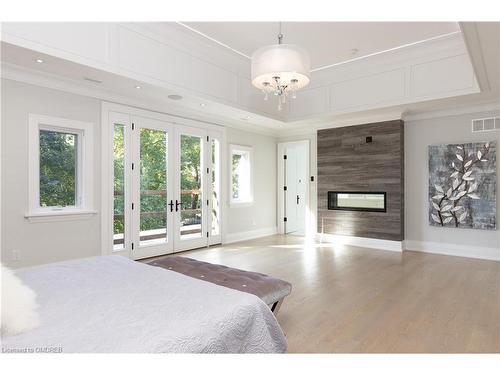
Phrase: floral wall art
pixel 462 185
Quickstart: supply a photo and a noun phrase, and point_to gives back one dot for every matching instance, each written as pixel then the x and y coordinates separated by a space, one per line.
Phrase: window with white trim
pixel 59 166
pixel 241 189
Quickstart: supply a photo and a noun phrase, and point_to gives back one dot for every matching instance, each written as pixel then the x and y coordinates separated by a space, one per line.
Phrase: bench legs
pixel 276 306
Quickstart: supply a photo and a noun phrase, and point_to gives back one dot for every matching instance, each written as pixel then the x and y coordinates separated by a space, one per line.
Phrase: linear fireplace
pixel 357 201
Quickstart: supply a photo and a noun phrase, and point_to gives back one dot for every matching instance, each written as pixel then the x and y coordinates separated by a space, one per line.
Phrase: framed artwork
pixel 462 185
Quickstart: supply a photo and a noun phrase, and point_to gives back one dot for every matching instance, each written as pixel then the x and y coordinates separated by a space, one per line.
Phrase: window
pixel 241 188
pixel 60 161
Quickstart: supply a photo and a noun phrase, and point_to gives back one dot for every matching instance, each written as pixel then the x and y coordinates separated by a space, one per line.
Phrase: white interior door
pixel 296 188
pixel 301 187
pixel 291 190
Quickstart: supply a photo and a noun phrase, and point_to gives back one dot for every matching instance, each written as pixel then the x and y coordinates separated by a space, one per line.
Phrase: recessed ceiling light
pixel 39 61
pixel 245 118
pixel 202 104
pixel 92 80
pixel 175 97
pixel 138 87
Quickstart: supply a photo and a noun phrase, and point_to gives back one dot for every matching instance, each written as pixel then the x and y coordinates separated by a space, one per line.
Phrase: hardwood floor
pixel 348 299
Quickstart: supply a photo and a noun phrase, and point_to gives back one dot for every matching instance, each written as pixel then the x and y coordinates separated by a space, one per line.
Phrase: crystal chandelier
pixel 280 70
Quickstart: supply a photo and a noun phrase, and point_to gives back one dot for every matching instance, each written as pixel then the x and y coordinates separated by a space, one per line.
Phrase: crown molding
pixel 350 120
pixel 474 49
pixel 456 111
pixel 47 80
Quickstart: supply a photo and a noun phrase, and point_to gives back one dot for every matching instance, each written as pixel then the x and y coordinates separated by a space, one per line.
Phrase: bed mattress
pixel 113 304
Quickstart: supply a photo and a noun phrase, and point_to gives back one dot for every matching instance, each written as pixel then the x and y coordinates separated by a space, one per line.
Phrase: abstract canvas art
pixel 462 185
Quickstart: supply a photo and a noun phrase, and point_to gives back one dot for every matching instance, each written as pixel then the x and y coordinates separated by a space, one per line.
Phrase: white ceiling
pixel 19 63
pixel 327 42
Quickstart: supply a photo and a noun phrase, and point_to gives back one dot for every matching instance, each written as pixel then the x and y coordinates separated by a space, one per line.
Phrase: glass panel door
pixel 152 198
pixel 191 148
pixel 153 184
pixel 165 184
pixel 215 194
pixel 119 187
pixel 119 183
pixel 192 177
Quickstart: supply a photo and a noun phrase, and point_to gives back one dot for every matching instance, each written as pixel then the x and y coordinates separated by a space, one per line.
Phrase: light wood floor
pixel 348 299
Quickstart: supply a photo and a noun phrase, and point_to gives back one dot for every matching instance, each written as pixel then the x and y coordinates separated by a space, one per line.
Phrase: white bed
pixel 113 304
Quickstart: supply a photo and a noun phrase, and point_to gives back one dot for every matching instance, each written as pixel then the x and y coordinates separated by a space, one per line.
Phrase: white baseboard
pixel 251 234
pixel 468 251
pixel 371 243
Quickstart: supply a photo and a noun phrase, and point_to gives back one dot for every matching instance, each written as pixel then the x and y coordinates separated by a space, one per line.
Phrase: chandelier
pixel 280 70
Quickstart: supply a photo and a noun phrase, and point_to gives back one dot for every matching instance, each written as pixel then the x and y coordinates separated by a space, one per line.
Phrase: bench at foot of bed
pixel 271 290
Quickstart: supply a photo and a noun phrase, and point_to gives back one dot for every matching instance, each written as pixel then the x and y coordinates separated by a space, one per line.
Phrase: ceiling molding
pixel 395 49
pixel 474 49
pixel 338 96
pixel 223 46
pixel 456 111
pixel 350 120
pixel 37 78
pixel 214 40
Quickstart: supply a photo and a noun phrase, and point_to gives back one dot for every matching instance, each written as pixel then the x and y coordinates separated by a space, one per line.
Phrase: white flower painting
pixel 462 185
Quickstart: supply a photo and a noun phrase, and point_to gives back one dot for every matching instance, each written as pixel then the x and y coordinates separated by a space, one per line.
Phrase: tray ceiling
pixel 327 42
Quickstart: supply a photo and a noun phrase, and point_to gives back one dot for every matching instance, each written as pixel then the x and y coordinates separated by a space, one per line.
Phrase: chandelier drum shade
pixel 281 70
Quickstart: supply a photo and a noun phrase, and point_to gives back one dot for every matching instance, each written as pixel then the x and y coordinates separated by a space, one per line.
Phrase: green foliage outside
pixel 57 169
pixel 119 180
pixel 236 158
pixel 153 172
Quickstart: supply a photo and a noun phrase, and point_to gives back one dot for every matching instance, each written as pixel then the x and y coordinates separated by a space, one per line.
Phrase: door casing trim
pixel 106 160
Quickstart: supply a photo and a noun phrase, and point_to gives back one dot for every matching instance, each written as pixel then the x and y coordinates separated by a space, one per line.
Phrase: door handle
pixel 298 199
pixel 171 204
pixel 177 204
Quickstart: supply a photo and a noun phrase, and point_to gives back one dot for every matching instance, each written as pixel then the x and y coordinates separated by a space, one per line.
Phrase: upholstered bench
pixel 272 291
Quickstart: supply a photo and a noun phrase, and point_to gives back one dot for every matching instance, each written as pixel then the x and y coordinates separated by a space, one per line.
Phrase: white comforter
pixel 112 304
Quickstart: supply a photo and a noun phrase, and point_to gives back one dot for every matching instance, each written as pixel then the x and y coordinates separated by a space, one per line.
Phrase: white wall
pixel 47 242
pixel 419 234
pixel 41 242
pixel 260 217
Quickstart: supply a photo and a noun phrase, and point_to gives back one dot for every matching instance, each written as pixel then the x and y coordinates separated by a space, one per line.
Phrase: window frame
pixel 84 163
pixel 234 148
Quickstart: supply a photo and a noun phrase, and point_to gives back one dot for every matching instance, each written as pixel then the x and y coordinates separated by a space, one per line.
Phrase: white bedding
pixel 112 304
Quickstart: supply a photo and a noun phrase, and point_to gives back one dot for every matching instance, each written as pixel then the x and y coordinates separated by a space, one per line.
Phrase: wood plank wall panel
pixel 347 163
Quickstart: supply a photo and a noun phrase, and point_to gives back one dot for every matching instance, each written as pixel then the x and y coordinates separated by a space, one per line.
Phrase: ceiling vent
pixel 485 124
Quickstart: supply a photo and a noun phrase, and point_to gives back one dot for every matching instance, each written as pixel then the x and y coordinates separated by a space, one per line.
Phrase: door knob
pixel 171 204
pixel 177 204
pixel 298 198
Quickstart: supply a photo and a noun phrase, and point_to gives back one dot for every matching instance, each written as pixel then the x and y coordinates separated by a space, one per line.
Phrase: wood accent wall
pixel 347 163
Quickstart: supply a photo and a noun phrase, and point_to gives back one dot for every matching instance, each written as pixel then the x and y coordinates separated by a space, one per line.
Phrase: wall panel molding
pixel 169 56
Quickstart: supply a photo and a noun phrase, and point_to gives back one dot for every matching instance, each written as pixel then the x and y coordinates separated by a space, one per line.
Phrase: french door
pixel 166 186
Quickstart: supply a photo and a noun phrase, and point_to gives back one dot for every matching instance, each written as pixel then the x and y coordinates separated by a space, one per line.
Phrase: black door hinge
pixel 284 188
pixel 133 126
pixel 284 157
pixel 207 171
pixel 284 219
pixel 207 234
pixel 207 138
pixel 132 206
pixel 132 246
pixel 132 166
pixel 207 202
